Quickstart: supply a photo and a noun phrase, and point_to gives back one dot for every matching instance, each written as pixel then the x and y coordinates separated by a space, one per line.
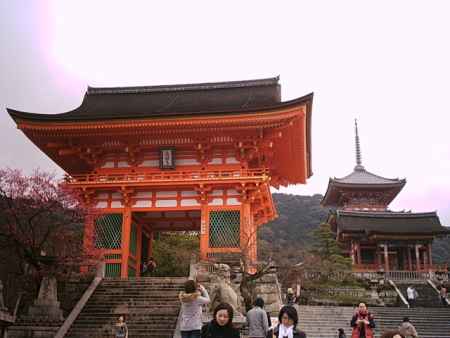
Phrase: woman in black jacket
pixel 287 327
pixel 222 324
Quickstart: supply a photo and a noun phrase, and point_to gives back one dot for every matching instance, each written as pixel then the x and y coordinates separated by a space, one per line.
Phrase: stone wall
pixel 267 287
pixel 31 324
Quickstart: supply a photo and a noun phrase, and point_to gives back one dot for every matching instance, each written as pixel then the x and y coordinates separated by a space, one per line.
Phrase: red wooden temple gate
pixel 197 157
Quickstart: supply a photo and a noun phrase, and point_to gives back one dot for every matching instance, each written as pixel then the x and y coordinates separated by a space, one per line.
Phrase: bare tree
pixel 251 271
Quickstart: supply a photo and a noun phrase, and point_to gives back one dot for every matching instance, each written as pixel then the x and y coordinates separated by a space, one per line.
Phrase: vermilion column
pixel 358 246
pixel 88 239
pixel 378 258
pixel 204 231
pixel 430 260
pixel 352 252
pixel 139 250
pixel 417 257
pixel 410 266
pixel 386 258
pixel 150 244
pixel 248 237
pixel 126 230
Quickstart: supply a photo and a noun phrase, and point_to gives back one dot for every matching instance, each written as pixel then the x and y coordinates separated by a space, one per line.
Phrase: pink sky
pixel 385 63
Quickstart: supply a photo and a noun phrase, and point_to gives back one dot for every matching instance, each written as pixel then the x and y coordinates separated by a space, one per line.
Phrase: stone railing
pixel 346 292
pixel 317 275
pixel 100 275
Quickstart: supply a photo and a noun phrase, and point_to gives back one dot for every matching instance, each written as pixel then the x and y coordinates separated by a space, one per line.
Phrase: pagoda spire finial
pixel 359 165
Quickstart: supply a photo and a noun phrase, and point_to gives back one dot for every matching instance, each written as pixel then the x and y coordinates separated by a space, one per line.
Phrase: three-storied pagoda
pixel 195 157
pixel 376 238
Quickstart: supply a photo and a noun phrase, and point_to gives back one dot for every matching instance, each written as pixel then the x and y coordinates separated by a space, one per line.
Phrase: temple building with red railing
pixel 376 238
pixel 195 157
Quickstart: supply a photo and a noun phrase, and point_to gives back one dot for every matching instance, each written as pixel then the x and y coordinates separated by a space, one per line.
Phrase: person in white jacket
pixel 192 300
pixel 411 294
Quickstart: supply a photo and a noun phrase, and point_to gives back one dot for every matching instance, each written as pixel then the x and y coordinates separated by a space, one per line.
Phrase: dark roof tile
pixel 389 222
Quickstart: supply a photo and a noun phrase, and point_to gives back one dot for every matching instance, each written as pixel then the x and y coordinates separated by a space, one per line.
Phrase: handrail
pixel 430 282
pixel 100 274
pixel 16 307
pixel 191 175
pixel 399 293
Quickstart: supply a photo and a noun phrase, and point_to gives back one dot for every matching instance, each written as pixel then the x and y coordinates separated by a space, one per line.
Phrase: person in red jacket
pixel 362 323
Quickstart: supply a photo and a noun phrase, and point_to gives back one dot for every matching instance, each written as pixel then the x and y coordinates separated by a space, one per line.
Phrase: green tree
pixel 173 252
pixel 328 250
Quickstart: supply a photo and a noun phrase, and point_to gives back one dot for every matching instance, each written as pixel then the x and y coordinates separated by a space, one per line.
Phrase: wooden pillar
pixel 386 258
pixel 425 259
pixel 88 239
pixel 358 248
pixel 352 252
pixel 430 259
pixel 139 250
pixel 377 255
pixel 126 231
pixel 150 245
pixel 204 231
pixel 417 257
pixel 248 237
pixel 410 267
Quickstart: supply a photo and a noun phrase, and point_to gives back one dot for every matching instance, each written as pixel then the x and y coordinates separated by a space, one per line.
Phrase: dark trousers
pixel 412 302
pixel 191 334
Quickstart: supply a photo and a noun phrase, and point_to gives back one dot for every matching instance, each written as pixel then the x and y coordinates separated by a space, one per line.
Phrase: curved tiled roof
pixel 173 100
pixel 389 222
pixel 362 176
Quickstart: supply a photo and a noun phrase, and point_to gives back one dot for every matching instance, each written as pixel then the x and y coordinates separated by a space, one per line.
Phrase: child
pixel 121 329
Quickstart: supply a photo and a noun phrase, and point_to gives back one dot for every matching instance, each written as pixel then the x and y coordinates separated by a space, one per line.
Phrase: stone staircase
pixel 428 297
pixel 323 321
pixel 429 322
pixel 150 306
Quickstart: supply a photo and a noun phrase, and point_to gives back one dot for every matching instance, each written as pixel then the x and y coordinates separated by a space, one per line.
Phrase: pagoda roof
pixel 362 177
pixel 389 222
pixel 361 180
pixel 108 103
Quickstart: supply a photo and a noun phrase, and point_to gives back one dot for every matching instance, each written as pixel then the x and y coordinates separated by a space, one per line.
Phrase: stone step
pixel 150 304
pixel 430 322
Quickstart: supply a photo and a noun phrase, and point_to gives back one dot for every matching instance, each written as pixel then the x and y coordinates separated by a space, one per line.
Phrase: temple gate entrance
pixel 142 157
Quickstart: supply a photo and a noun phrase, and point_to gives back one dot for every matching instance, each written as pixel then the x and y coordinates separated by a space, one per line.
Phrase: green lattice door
pixel 224 229
pixel 108 236
pixel 108 231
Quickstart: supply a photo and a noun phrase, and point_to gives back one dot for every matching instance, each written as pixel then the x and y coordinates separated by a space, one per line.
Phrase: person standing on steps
pixel 192 300
pixel 287 327
pixel 443 294
pixel 257 321
pixel 291 299
pixel 151 266
pixel 341 333
pixel 407 330
pixel 411 294
pixel 362 323
pixel 121 329
pixel 221 326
